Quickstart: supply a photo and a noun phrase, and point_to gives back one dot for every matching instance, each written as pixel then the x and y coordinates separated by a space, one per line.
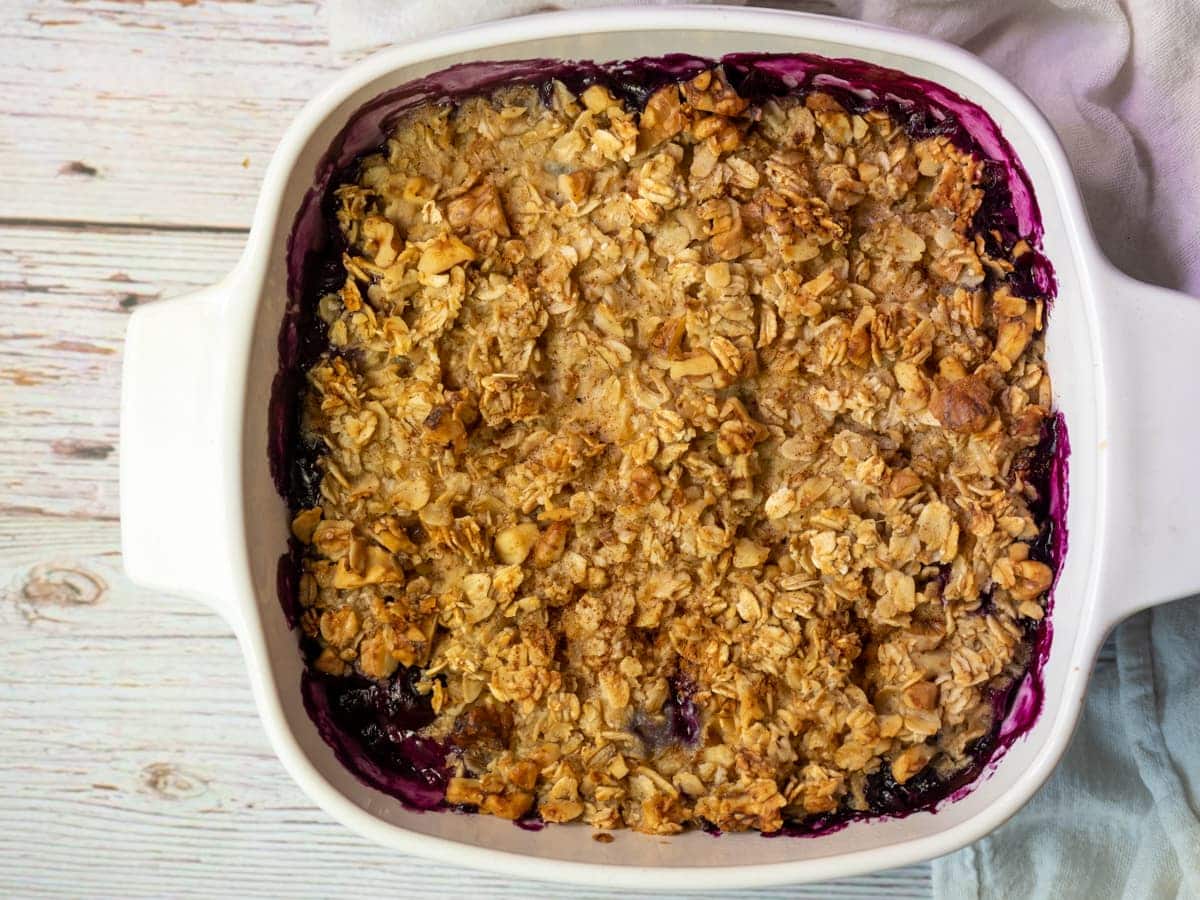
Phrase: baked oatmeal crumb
pixel 678 450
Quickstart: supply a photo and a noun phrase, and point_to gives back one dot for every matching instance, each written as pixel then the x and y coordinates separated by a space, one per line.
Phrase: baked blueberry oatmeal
pixel 673 456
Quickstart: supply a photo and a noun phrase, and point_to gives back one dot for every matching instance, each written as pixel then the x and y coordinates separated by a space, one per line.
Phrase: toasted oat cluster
pixel 680 450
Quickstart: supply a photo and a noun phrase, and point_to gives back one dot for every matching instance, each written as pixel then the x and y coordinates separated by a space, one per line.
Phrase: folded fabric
pixel 356 25
pixel 1120 82
pixel 1120 817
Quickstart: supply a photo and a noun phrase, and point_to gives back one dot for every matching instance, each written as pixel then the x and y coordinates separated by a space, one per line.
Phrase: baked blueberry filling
pixel 374 725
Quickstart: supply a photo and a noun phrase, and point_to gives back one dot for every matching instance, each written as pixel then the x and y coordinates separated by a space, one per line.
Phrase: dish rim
pixel 249 278
pixel 267 217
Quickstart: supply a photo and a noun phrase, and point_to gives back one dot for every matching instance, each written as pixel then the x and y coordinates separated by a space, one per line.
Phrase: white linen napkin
pixel 1120 81
pixel 356 25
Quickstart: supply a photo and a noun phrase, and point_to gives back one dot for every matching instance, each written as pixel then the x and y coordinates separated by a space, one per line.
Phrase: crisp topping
pixel 680 451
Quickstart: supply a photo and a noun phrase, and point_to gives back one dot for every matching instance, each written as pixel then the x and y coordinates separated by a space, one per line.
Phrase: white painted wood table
pixel 133 136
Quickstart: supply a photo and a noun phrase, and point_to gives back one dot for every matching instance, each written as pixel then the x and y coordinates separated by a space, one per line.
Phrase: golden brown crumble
pixel 714 399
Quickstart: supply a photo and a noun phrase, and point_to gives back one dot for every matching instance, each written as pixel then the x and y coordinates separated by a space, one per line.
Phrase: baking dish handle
pixel 1151 345
pixel 172 511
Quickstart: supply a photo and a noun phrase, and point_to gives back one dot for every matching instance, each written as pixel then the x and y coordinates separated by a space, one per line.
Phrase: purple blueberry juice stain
pixel 373 726
pixel 530 822
pixel 682 715
pixel 678 724
pixel 287 581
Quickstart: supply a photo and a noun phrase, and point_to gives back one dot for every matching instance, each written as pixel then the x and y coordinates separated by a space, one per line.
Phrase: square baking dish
pixel 200 514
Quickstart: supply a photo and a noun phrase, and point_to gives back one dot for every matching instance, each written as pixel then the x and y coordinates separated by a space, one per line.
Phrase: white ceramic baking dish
pixel 200 515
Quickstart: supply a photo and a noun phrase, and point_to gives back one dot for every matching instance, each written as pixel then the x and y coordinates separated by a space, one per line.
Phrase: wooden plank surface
pixel 150 112
pixel 132 139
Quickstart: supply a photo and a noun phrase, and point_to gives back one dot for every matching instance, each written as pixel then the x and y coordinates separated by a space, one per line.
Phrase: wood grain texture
pixel 67 294
pixel 132 139
pixel 150 112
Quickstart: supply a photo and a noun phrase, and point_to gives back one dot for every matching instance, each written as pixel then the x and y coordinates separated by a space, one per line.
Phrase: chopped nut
pixel 964 405
pixel 922 695
pixel 480 208
pixel 549 547
pixel 378 566
pixel 443 253
pixel 905 483
pixel 662 118
pixel 513 544
pixel 709 91
pixel 507 806
pixel 1032 580
pixel 561 810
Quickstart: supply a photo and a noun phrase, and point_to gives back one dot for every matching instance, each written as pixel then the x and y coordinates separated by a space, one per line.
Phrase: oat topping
pixel 682 452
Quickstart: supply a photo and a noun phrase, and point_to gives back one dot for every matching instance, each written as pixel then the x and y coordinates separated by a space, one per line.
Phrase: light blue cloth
pixel 1121 815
